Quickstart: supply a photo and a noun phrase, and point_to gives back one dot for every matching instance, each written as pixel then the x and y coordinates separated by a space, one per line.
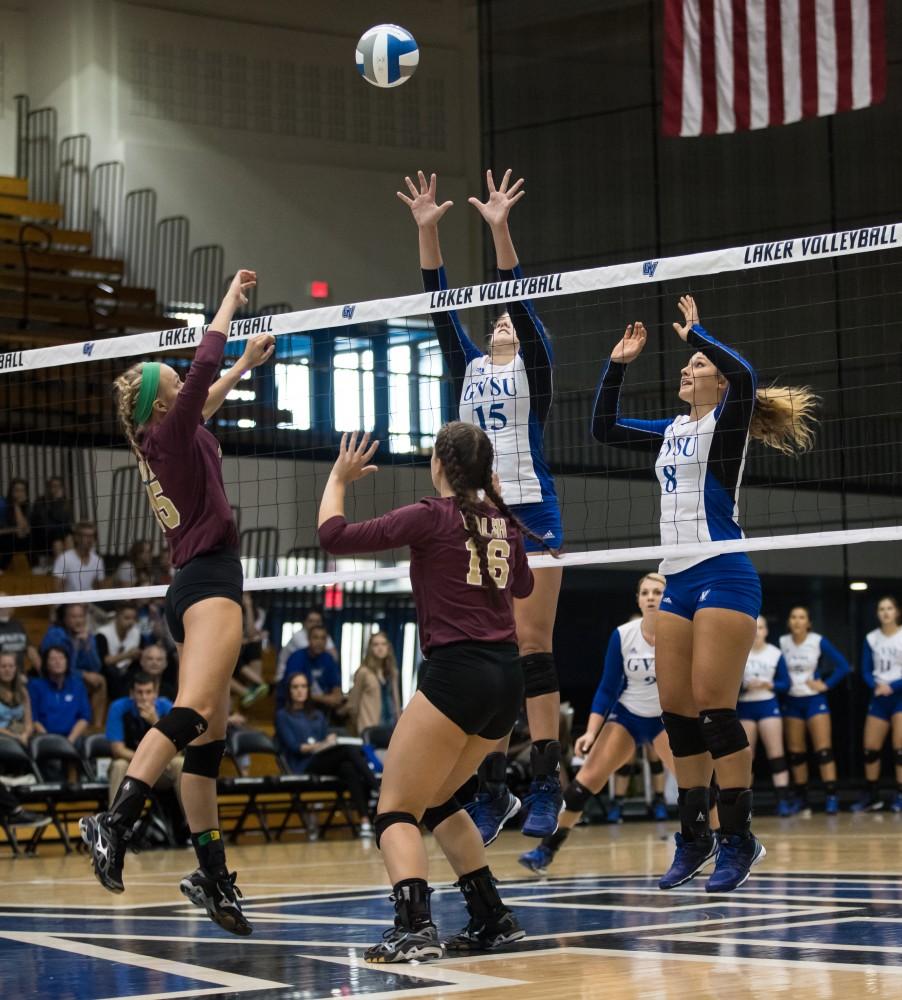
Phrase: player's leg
pixel 820 730
pixel 770 729
pixel 796 738
pixel 751 734
pixel 897 756
pixel 695 844
pixel 722 638
pixel 614 746
pixel 622 778
pixel 658 760
pixel 876 730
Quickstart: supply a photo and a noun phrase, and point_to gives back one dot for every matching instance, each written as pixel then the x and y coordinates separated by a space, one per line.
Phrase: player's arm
pixel 188 409
pixel 841 666
pixel 607 693
pixel 782 680
pixel 258 350
pixel 456 347
pixel 608 426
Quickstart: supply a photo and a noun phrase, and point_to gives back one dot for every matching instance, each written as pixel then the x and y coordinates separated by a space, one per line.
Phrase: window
pixel 354 390
pixel 399 399
pixel 354 639
pixel 293 393
pixel 429 371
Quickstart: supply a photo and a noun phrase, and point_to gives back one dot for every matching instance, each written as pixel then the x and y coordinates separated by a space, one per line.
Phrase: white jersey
pixel 640 696
pixel 497 399
pixel 760 666
pixel 886 656
pixel 801 660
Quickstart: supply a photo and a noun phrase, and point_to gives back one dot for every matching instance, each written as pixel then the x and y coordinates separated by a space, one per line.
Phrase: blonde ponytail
pixel 784 418
pixel 127 387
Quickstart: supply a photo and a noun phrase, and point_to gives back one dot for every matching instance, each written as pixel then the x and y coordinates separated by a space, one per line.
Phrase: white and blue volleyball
pixel 387 55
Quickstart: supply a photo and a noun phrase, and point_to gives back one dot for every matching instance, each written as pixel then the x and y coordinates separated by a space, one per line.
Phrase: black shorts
pixel 477 685
pixel 213 574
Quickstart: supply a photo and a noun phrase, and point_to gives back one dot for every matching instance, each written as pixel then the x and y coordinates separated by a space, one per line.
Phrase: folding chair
pixel 15 759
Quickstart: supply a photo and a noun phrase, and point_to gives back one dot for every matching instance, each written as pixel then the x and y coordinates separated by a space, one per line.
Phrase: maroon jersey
pixel 182 466
pixel 454 602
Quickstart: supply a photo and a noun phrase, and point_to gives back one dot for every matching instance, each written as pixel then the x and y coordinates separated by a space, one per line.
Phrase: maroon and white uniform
pixel 454 603
pixel 182 466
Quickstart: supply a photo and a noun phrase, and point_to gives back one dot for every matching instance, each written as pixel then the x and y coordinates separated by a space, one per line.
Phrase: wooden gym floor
pixel 821 917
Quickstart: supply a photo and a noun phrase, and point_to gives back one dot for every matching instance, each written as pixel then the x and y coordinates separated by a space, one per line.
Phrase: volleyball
pixel 387 55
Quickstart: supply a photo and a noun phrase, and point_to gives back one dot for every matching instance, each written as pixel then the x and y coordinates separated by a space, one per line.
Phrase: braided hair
pixel 127 387
pixel 467 457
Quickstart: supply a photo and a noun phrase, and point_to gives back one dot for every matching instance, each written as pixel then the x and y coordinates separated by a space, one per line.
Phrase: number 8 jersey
pixel 699 463
pixel 509 402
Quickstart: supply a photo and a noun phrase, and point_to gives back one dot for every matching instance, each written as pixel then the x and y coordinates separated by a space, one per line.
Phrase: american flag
pixel 731 65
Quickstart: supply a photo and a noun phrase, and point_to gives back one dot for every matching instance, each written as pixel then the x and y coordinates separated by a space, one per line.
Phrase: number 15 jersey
pixel 453 600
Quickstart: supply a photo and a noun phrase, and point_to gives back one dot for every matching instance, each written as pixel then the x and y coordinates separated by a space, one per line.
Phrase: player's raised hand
pixel 689 310
pixel 259 349
pixel 631 344
pixel 354 458
pixel 496 208
pixel 242 283
pixel 422 201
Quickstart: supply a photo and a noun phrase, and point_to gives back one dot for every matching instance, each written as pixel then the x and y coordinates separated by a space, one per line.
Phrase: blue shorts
pixel 805 707
pixel 729 581
pixel 642 728
pixel 755 711
pixel 885 706
pixel 542 519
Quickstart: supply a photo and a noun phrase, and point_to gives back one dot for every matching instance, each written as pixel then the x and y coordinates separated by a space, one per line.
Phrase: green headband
pixel 150 382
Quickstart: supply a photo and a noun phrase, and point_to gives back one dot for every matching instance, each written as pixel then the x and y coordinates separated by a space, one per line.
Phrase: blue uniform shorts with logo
pixel 885 706
pixel 805 707
pixel 642 728
pixel 542 519
pixel 729 581
pixel 755 711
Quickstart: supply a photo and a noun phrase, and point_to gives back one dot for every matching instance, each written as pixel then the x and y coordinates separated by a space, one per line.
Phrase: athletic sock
pixel 545 758
pixel 782 793
pixel 210 851
pixel 694 815
pixel 493 774
pixel 129 802
pixel 735 808
pixel 411 896
pixel 554 842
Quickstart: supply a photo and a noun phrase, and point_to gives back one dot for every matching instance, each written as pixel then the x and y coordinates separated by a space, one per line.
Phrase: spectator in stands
pixel 247 679
pixel 71 634
pixel 119 648
pixel 161 569
pixel 155 663
pixel 51 521
pixel 375 698
pixel 319 667
pixel 300 640
pixel 13 814
pixel 138 561
pixel 128 720
pixel 80 568
pixel 14 639
pixel 15 705
pixel 59 698
pixel 15 523
pixel 308 747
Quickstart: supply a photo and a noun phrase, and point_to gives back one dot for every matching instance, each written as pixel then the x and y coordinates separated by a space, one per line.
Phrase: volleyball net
pixel 821 311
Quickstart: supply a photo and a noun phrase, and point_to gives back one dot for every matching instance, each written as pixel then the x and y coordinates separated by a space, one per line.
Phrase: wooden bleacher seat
pixel 80 314
pixel 69 287
pixel 15 231
pixel 13 187
pixel 80 263
pixel 22 208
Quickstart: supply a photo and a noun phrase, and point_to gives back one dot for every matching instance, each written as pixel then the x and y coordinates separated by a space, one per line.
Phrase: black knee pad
pixel 872 756
pixel 626 771
pixel 777 764
pixel 438 814
pixel 384 820
pixel 576 796
pixel 684 734
pixel 181 726
pixel 722 732
pixel 824 756
pixel 797 759
pixel 656 766
pixel 204 759
pixel 539 674
pixel 897 756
